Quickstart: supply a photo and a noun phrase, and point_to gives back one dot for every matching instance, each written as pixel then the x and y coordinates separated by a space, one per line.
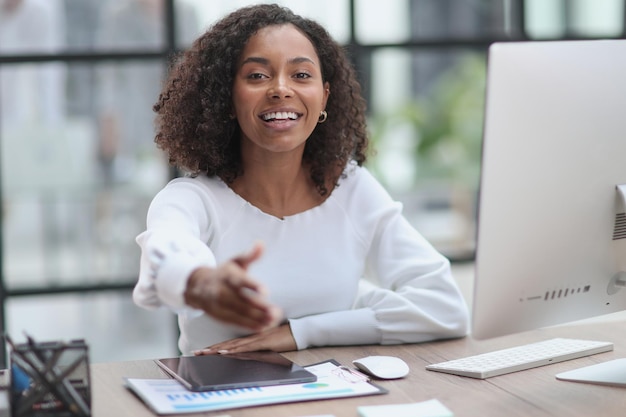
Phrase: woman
pixel 265 115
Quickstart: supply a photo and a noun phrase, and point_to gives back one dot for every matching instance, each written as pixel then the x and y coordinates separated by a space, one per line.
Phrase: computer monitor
pixel 551 233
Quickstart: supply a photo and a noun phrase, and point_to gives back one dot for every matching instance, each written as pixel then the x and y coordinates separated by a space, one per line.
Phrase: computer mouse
pixel 383 367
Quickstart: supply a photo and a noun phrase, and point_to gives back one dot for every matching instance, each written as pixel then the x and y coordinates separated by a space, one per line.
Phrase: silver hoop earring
pixel 323 117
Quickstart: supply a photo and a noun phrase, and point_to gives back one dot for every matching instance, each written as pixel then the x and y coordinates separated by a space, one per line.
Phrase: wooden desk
pixel 534 392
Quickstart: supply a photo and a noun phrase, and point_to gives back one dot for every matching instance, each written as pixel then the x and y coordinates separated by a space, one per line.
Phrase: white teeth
pixel 283 115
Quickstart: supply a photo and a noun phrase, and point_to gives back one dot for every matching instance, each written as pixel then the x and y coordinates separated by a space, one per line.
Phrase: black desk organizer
pixel 49 379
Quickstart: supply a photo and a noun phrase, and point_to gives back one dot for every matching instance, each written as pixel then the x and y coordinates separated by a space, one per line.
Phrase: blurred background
pixel 79 167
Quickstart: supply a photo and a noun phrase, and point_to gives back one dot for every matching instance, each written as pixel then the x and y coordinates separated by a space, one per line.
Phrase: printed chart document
pixel 168 396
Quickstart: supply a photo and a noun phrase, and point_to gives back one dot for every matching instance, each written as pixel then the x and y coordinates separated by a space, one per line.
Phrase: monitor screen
pixel 551 237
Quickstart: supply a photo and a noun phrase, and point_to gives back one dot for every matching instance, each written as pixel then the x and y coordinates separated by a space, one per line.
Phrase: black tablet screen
pixel 221 372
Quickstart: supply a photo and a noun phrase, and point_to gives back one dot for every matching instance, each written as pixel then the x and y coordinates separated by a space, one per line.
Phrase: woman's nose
pixel 280 88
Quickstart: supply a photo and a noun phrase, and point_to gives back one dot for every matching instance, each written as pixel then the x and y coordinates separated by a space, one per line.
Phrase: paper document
pixel 168 396
pixel 430 408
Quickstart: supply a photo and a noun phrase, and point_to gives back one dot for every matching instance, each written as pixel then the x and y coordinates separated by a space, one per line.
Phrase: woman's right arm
pixel 179 270
pixel 173 245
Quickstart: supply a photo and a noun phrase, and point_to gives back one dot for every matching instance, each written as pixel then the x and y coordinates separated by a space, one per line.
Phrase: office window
pixel 435 20
pixel 77 82
pixel 472 19
pixel 113 327
pixel 554 19
pixel 382 24
pixel 76 185
pixel 426 126
pixel 122 25
pixel 333 14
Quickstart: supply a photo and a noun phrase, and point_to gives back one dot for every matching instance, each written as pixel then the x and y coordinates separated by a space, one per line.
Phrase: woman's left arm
pixel 415 299
pixel 410 295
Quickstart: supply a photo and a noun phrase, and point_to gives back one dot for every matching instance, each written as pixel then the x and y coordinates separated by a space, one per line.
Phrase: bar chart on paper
pixel 168 396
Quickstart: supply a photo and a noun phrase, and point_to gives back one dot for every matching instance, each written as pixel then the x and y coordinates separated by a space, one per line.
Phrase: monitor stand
pixel 612 372
pixel 606 373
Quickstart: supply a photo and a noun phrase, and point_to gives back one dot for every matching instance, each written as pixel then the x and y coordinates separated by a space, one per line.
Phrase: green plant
pixel 446 125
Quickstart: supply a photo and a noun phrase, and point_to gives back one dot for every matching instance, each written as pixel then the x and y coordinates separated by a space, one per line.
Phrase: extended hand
pixel 278 339
pixel 229 294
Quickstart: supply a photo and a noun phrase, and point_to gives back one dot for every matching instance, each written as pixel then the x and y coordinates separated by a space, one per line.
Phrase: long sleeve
pixel 415 298
pixel 411 297
pixel 173 245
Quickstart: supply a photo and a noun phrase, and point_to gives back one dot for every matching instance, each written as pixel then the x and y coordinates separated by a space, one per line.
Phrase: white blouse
pixel 313 264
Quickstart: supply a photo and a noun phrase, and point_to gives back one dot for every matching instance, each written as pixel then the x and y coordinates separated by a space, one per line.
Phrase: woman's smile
pixel 281 120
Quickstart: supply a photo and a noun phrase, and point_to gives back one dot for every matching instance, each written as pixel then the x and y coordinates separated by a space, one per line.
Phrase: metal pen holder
pixel 49 379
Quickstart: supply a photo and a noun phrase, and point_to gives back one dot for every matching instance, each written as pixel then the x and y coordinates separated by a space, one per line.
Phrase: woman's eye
pixel 303 75
pixel 256 76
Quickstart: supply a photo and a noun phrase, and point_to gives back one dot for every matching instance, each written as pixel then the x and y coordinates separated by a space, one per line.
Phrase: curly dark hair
pixel 194 124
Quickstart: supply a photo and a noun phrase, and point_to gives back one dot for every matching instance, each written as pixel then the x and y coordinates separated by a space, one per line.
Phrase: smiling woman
pixel 265 114
pixel 278 97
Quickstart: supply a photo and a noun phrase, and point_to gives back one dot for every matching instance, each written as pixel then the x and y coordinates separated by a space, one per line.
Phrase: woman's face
pixel 278 92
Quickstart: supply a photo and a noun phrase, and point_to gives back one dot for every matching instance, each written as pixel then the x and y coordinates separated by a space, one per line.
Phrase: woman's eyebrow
pixel 265 61
pixel 301 59
pixel 256 60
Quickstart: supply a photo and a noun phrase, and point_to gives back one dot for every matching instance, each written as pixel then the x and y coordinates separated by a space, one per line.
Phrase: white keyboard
pixel 519 358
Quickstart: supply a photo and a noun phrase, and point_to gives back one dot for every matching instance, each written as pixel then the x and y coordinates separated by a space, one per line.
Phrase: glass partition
pixel 76 183
pixel 555 19
pixel 112 326
pixel 78 79
pixel 426 126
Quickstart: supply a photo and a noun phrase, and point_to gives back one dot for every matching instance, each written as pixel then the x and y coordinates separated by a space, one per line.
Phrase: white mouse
pixel 383 367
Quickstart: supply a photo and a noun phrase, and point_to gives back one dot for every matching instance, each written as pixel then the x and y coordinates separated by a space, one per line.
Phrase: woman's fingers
pixel 245 260
pixel 249 299
pixel 229 294
pixel 247 316
pixel 278 339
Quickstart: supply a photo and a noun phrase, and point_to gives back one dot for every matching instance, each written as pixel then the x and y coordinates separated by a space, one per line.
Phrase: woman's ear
pixel 326 94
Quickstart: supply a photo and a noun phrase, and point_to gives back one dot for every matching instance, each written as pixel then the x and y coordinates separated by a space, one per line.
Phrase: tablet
pixel 223 372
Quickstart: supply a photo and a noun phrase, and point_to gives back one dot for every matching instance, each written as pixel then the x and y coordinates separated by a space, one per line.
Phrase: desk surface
pixel 533 392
